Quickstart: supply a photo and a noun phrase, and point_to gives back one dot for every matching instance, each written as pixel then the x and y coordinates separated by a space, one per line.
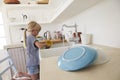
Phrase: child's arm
pixel 41 44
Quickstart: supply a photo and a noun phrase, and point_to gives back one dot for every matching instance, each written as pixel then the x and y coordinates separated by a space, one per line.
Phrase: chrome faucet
pixel 71 26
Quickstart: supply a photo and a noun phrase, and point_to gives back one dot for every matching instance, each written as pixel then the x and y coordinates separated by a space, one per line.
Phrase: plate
pixel 77 58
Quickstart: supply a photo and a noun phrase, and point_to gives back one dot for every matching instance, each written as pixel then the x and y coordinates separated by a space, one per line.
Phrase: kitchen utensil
pixel 47 35
pixel 78 35
pixel 77 58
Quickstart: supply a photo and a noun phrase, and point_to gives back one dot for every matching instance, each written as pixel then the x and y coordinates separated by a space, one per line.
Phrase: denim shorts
pixel 33 69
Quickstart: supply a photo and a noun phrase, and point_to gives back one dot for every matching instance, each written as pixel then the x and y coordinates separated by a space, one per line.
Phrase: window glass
pixel 1 20
pixel 2 33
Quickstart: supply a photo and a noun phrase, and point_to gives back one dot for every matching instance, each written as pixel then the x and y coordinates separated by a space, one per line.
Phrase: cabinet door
pixel 16 34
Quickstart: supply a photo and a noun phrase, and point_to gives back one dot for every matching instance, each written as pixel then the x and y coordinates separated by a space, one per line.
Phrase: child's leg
pixel 34 72
pixel 35 76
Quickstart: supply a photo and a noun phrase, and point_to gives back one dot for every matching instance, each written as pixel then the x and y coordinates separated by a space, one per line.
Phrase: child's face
pixel 35 32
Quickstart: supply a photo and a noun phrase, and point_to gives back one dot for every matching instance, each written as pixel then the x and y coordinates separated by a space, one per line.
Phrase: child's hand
pixel 48 44
pixel 47 47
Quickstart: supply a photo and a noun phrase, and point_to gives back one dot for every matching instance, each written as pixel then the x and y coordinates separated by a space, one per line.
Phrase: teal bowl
pixel 77 58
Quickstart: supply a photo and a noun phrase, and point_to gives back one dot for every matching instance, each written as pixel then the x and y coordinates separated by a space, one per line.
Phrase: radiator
pixel 18 55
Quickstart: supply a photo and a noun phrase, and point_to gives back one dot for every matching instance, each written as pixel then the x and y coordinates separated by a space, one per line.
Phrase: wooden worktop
pixel 55 41
pixel 107 71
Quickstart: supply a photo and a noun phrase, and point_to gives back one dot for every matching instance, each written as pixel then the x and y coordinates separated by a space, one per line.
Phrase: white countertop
pixel 108 71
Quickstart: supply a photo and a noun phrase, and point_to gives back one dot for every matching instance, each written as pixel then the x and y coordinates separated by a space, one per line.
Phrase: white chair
pixel 6 65
pixel 18 55
pixel 7 68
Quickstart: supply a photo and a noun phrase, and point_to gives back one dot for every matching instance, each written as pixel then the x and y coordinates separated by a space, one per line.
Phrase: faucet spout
pixel 71 26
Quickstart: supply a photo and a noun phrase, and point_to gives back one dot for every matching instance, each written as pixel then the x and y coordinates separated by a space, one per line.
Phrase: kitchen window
pixel 2 33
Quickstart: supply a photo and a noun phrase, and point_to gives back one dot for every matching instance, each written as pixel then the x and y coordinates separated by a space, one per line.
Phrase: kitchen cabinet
pixel 21 14
pixel 42 13
pixel 13 17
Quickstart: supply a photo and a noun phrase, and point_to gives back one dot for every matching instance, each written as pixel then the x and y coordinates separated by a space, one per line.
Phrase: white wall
pixel 101 20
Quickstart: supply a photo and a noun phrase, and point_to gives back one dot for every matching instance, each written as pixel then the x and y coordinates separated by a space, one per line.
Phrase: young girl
pixel 32 47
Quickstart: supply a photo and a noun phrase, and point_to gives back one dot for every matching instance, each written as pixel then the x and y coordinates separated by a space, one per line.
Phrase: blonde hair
pixel 31 26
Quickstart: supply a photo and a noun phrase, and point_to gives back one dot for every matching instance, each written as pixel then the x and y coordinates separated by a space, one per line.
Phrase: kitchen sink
pixel 60 45
pixel 56 50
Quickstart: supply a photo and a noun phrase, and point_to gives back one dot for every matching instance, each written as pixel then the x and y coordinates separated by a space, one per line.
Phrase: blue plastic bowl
pixel 77 58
